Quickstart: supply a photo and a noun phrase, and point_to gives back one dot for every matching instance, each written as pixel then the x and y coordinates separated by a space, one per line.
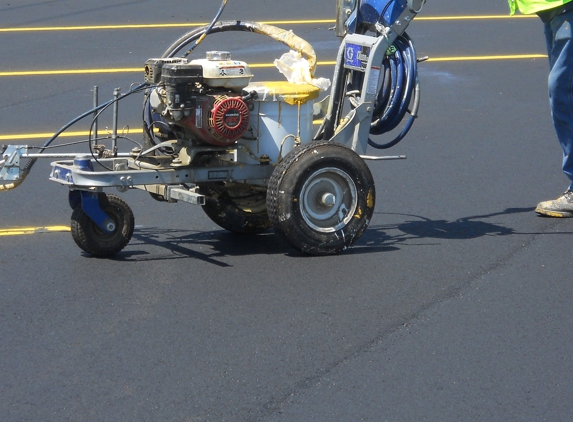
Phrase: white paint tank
pixel 282 115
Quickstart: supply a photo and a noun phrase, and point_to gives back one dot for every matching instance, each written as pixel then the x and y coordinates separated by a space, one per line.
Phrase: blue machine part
pixel 371 12
pixel 84 163
pixel 350 23
pixel 356 56
pixel 89 201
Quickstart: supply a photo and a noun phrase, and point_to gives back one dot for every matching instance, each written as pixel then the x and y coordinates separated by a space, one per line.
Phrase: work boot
pixel 560 207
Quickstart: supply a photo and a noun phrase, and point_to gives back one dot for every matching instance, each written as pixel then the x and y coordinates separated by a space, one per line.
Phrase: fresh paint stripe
pixel 70 134
pixel 475 17
pixel 477 58
pixel 70 72
pixel 279 22
pixel 47 135
pixel 19 231
pixel 151 26
pixel 254 66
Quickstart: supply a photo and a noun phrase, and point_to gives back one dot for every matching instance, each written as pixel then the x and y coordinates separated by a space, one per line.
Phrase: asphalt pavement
pixel 453 306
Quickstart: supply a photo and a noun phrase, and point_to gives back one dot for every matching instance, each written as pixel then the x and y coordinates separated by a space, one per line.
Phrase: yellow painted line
pixel 70 134
pixel 151 26
pixel 70 72
pixel 253 66
pixel 503 57
pixel 458 58
pixel 101 27
pixel 478 17
pixel 18 231
pixel 93 71
pixel 67 134
pixel 279 22
pixel 47 135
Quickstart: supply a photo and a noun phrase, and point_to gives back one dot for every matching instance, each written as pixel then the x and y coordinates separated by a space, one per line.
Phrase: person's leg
pixel 561 86
pixel 559 37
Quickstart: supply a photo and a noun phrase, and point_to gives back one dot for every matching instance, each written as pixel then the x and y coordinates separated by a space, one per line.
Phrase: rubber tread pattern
pixel 285 170
pixel 91 238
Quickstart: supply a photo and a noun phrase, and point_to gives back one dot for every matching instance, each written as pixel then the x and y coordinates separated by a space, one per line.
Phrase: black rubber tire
pixel 321 198
pixel 239 210
pixel 90 238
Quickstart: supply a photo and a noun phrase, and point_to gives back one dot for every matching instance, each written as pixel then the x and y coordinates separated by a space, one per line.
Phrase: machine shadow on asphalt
pixel 212 246
pixel 462 228
pixel 204 246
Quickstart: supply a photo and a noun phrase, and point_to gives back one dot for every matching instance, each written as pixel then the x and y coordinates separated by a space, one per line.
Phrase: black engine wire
pixel 31 161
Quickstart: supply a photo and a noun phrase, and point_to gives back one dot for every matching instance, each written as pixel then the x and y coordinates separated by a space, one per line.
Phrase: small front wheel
pixel 321 197
pixel 93 240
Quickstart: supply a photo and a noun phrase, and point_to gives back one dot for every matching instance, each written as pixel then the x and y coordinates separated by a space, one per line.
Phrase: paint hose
pixel 14 184
pixel 286 37
pixel 400 90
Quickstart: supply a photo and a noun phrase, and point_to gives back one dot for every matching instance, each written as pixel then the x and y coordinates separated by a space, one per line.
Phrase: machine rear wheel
pixel 92 239
pixel 236 208
pixel 321 198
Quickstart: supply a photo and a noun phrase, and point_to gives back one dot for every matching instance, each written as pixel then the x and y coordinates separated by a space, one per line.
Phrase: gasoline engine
pixel 202 100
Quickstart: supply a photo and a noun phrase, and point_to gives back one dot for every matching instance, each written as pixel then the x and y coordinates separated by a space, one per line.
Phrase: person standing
pixel 557 16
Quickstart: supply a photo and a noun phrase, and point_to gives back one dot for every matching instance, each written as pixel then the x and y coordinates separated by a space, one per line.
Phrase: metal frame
pixel 355 128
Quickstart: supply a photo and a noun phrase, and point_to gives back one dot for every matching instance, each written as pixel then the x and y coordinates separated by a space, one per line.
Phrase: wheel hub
pixel 328 199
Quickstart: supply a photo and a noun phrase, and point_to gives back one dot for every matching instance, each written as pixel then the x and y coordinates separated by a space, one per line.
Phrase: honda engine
pixel 203 99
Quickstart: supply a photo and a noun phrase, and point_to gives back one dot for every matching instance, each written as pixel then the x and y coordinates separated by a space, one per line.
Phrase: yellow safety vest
pixel 528 7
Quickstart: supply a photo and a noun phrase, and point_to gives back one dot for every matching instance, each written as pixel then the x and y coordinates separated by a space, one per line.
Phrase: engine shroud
pixel 218 119
pixel 202 96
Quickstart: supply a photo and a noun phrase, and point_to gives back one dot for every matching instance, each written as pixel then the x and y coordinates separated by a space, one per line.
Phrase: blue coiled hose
pixel 398 95
pixel 400 89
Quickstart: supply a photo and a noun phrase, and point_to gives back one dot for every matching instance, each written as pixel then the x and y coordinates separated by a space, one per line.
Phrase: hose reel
pixel 392 88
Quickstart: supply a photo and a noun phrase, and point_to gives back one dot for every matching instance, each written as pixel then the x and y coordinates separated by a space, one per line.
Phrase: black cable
pixel 139 88
pixel 222 26
pixel 208 29
pixel 31 161
pixel 60 145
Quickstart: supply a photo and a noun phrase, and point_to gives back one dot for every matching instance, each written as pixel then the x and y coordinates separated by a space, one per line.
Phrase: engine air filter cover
pixel 229 119
pixel 181 74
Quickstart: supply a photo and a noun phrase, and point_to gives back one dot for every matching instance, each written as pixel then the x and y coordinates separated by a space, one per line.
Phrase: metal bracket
pixel 399 26
pixel 364 53
pixel 361 53
pixel 10 162
pixel 344 9
pixel 90 204
pixel 174 193
pixel 415 6
pixel 180 193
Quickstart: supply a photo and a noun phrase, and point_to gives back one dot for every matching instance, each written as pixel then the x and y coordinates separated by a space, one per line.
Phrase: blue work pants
pixel 559 35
